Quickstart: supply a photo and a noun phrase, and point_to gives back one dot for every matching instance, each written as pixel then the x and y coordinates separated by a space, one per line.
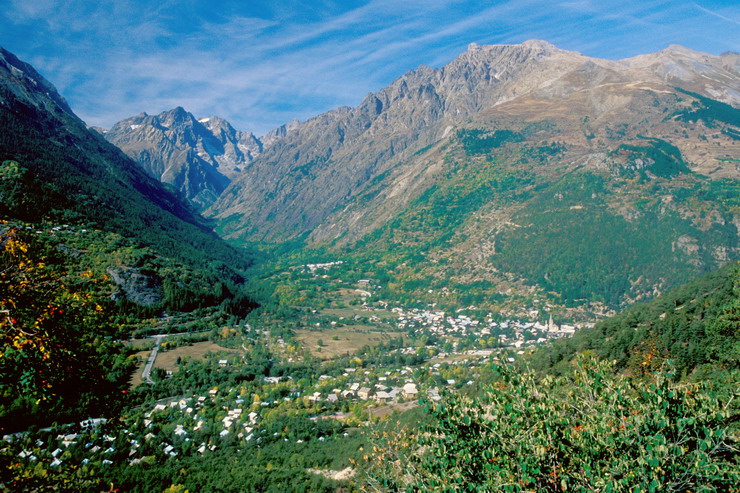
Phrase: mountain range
pixel 199 157
pixel 517 165
pixel 302 185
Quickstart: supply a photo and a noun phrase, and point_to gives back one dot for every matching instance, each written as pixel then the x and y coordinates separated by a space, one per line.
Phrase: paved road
pixel 147 373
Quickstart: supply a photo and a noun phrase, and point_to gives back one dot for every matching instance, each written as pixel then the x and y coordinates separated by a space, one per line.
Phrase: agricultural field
pixel 344 340
pixel 167 359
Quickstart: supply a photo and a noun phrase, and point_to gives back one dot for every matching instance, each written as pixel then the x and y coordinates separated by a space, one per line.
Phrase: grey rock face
pixel 28 86
pixel 199 158
pixel 235 149
pixel 136 286
pixel 303 180
pixel 317 165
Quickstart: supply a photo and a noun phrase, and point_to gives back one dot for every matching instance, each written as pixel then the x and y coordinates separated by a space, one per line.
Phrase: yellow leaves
pixel 175 488
pixel 19 342
pixel 14 246
pixel 227 332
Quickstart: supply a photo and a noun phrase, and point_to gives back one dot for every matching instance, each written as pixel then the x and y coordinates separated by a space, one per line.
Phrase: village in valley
pixel 351 364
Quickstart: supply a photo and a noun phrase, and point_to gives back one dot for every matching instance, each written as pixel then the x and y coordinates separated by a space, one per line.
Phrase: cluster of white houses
pixel 42 450
pixel 378 392
pixel 325 266
pixel 460 325
pixel 86 446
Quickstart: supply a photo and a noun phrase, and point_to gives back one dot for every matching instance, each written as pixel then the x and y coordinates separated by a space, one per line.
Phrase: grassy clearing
pixel 386 315
pixel 167 360
pixel 343 340
pixel 345 312
pixel 350 312
pixel 387 410
pixel 142 344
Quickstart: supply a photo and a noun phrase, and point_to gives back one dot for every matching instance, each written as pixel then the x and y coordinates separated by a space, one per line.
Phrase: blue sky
pixel 260 64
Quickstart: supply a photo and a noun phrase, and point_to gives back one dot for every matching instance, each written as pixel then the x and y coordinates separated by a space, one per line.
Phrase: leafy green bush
pixel 58 359
pixel 591 431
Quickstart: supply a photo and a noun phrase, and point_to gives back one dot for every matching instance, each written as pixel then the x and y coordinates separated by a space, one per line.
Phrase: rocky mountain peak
pixel 179 120
pixel 216 123
pixel 693 70
pixel 541 44
pixel 199 157
pixel 279 133
pixel 533 49
pixel 309 170
pixel 731 61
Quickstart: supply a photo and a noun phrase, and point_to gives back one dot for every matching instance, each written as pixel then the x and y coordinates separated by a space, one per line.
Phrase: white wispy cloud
pixel 720 15
pixel 262 65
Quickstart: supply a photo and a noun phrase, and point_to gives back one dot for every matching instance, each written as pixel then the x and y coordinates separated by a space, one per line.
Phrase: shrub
pixel 591 431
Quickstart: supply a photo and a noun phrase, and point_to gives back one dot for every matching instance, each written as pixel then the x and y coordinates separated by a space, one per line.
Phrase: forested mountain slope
pixel 67 173
pixel 90 246
pixel 695 326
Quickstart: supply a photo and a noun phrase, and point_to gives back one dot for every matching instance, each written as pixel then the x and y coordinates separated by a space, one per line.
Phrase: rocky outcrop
pixel 235 148
pixel 136 286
